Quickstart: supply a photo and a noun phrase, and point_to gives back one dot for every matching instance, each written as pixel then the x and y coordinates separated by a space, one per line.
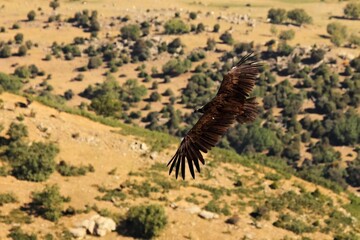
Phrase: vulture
pixel 231 104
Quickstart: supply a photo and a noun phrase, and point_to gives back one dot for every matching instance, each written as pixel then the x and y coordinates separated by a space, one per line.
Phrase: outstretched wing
pixel 230 104
pixel 240 80
pixel 202 137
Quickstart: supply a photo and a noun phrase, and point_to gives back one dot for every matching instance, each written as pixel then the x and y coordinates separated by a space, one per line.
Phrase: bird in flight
pixel 231 104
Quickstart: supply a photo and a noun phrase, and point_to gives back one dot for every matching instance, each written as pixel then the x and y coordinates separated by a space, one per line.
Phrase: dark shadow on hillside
pixel 307 61
pixel 324 36
pixel 310 110
pixel 343 18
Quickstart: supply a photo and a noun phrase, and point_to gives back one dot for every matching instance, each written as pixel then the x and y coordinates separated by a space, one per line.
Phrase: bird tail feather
pixel 250 111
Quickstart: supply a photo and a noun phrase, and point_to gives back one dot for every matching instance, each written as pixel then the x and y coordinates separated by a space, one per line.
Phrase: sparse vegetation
pixel 146 221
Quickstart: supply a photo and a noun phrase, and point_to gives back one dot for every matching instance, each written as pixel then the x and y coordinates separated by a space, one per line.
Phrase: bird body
pixel 231 104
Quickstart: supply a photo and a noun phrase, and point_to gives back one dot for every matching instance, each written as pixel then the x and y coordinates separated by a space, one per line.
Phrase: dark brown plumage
pixel 231 104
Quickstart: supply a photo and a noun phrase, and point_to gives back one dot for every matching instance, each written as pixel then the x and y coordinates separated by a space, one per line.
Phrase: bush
pixel 277 16
pixel 68 170
pixel 22 50
pixel 48 203
pixel 17 131
pixel 216 28
pixel 317 55
pixel 32 163
pixel 227 38
pixel 5 51
pixel 94 62
pixel 284 49
pixel 7 198
pixel 210 44
pixel 354 40
pixel 176 26
pixel 10 83
pixel 352 10
pixel 54 4
pixel 173 46
pixel 141 50
pixel 155 97
pixel 297 226
pixel 130 32
pixel 22 72
pixel 31 15
pixel 338 33
pixel 299 16
pixel 146 221
pixel 17 234
pixel 19 38
pixel 175 67
pixel 192 15
pixel 287 35
pixel 68 95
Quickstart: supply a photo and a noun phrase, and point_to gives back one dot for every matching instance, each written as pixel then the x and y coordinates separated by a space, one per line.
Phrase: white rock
pixel 143 147
pixel 153 155
pixel 91 227
pixel 101 232
pixel 208 215
pixel 193 209
pixel 78 232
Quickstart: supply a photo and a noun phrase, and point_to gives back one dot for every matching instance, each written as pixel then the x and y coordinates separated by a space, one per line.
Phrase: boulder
pixel 153 155
pixel 78 232
pixel 104 225
pixel 193 209
pixel 208 215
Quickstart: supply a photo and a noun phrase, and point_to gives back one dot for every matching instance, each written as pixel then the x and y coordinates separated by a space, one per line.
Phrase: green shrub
pixel 17 131
pixel 175 67
pixel 277 16
pixel 68 170
pixel 292 224
pixel 111 195
pixel 22 50
pixel 352 10
pixel 54 4
pixel 299 16
pixel 176 26
pixel 5 51
pixel 227 38
pixel 130 32
pixel 141 50
pixel 287 35
pixel 192 15
pixel 7 198
pixel 216 27
pixel 17 234
pixel 22 72
pixel 10 83
pixel 94 62
pixel 31 15
pixel 338 33
pixel 317 55
pixel 48 203
pixel 19 37
pixel 33 163
pixel 146 221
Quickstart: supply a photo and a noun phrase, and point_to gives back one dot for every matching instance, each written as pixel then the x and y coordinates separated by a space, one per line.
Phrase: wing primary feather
pixel 177 166
pixel 173 160
pixel 197 158
pixel 183 167
pixel 190 159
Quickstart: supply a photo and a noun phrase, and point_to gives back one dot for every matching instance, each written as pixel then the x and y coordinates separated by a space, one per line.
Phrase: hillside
pixel 95 95
pixel 105 149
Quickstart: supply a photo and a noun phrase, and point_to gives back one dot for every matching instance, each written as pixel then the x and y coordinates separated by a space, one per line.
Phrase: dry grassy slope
pixel 105 150
pixel 63 71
